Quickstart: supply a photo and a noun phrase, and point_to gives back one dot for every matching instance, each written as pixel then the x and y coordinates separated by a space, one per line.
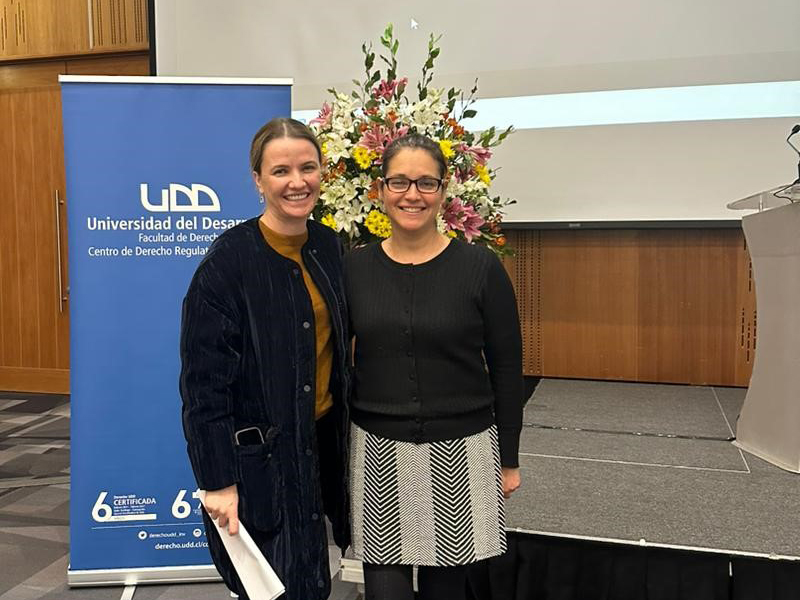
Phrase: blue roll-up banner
pixel 156 169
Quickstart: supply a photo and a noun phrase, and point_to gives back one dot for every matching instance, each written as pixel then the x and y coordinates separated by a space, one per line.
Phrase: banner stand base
pixel 98 577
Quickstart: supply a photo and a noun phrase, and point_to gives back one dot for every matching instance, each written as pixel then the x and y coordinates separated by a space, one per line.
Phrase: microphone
pixel 795 129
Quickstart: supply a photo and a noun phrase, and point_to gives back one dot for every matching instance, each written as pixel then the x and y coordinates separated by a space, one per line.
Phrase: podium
pixel 769 423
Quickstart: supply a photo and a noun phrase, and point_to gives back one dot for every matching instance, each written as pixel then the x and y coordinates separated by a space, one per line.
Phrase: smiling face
pixel 412 211
pixel 289 181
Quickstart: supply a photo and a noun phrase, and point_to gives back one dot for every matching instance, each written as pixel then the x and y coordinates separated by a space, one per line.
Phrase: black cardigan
pixel 422 333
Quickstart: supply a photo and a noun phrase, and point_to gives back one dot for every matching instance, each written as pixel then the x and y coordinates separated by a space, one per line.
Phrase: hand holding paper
pixel 222 507
pixel 255 573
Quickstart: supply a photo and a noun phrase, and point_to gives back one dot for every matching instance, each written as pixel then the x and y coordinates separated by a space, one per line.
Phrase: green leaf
pixel 423 93
pixel 395 46
pixel 468 114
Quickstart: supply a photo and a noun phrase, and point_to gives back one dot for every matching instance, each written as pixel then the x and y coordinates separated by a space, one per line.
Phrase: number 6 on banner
pixel 181 508
pixel 101 512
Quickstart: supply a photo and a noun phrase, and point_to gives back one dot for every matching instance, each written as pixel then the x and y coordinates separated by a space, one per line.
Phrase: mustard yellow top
pixel 289 246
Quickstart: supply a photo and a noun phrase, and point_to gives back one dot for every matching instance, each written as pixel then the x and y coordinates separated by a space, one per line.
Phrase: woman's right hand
pixel 223 505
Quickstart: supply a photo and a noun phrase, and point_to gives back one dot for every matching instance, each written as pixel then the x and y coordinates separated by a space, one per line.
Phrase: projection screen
pixel 626 110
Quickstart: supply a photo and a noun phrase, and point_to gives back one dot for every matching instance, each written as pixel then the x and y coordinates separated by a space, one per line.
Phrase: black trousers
pixel 395 582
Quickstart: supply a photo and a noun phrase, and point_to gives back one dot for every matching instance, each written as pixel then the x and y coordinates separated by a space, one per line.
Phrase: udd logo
pixel 181 198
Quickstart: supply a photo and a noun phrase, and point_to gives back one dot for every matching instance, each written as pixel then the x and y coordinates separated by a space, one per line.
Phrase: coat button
pixel 320 584
pixel 295 272
pixel 309 452
pixel 306 324
pixel 306 388
pixel 315 517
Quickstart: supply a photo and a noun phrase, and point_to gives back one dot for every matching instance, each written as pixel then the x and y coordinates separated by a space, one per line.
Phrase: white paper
pixel 258 578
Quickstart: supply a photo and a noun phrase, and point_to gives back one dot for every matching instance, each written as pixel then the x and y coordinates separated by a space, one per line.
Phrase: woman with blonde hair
pixel 264 373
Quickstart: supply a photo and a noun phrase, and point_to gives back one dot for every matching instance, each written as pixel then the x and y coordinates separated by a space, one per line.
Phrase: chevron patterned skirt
pixel 432 504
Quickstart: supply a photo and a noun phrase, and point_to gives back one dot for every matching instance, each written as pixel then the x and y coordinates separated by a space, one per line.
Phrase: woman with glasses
pixel 437 404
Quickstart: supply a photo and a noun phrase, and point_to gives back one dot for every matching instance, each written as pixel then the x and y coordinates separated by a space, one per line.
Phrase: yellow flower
pixel 483 174
pixel 324 148
pixel 329 221
pixel 447 148
pixel 378 224
pixel 362 157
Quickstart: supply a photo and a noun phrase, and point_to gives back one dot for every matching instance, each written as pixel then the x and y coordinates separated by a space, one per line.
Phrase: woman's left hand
pixel 511 480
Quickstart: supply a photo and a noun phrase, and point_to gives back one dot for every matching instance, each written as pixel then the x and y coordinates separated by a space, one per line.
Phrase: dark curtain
pixel 548 568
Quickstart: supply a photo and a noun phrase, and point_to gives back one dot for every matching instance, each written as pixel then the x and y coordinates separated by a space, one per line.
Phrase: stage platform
pixel 653 465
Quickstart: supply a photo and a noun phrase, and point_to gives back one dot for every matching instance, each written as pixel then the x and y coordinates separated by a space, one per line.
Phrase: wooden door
pixel 34 280
pixel 34 312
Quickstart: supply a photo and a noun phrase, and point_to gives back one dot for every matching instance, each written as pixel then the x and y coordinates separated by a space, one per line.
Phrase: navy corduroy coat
pixel 248 352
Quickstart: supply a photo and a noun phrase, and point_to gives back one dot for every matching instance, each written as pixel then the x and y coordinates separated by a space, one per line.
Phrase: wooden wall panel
pixel 119 24
pixel 687 306
pixel 44 381
pixel 672 306
pixel 132 64
pixel 524 271
pixel 746 315
pixel 588 304
pixel 33 28
pixel 54 28
pixel 32 75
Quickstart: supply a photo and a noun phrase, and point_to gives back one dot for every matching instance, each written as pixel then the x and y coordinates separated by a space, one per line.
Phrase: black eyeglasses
pixel 425 185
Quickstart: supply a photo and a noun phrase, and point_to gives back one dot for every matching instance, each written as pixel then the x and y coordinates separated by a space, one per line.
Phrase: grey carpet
pixel 675 452
pixel 34 511
pixel 731 400
pixel 632 407
pixel 637 487
pixel 729 511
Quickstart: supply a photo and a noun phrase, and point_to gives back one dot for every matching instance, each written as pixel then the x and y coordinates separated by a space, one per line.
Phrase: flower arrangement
pixel 354 130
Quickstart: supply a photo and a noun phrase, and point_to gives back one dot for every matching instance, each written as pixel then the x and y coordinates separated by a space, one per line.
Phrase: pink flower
pixel 324 117
pixel 377 137
pixel 458 217
pixel 385 89
pixel 479 153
